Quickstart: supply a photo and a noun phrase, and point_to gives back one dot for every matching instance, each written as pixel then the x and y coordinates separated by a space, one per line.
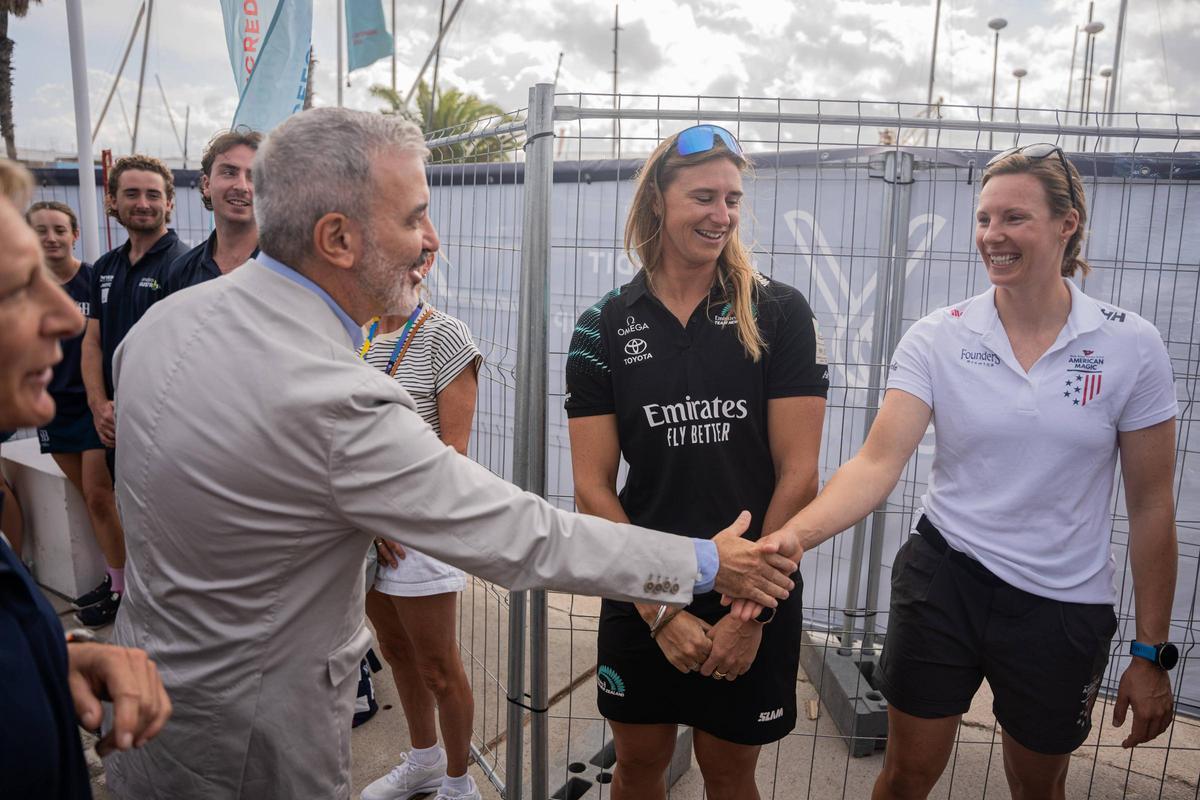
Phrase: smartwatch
pixel 1164 655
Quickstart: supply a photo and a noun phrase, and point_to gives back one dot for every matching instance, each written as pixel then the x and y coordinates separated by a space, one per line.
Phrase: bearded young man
pixel 126 281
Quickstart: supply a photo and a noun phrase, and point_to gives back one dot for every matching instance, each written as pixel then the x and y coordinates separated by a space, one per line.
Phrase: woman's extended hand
pixel 684 641
pixel 734 647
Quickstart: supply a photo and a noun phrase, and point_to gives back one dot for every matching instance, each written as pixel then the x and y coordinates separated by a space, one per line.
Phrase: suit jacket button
pixel 658 587
pixel 649 587
pixel 674 588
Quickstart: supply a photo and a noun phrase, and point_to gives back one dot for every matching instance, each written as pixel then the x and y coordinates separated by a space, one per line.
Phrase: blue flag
pixel 269 44
pixel 367 38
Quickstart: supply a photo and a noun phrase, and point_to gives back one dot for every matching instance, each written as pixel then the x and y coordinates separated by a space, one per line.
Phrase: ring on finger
pixel 719 675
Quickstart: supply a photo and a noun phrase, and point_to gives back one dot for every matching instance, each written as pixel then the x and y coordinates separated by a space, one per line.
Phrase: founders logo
pixel 609 681
pixel 637 350
pixel 632 326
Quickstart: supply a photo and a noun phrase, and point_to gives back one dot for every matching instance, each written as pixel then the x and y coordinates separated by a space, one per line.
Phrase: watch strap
pixel 1143 650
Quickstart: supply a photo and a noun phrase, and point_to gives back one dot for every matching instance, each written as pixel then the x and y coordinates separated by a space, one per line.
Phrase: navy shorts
pixel 637 684
pixel 954 623
pixel 70 432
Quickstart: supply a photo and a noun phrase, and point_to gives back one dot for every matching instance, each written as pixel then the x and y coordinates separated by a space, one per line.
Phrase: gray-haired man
pixel 263 455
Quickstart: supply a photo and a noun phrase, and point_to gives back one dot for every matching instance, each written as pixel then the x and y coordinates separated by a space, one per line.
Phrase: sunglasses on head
pixel 1036 152
pixel 702 138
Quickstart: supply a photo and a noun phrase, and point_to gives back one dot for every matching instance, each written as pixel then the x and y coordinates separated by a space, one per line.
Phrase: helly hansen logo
pixel 984 358
pixel 1112 315
pixel 770 716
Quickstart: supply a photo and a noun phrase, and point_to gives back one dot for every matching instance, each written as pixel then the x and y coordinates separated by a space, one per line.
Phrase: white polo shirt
pixel 1024 464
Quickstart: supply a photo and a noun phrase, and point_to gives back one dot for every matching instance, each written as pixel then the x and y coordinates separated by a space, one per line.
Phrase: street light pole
pixel 1018 73
pixel 997 24
pixel 1089 63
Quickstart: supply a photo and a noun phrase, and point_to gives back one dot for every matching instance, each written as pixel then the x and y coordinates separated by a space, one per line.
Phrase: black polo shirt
pixel 691 406
pixel 122 292
pixel 196 265
pixel 66 387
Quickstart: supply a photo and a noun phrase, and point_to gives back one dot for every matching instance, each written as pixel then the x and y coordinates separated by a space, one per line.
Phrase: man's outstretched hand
pixel 784 545
pixel 753 571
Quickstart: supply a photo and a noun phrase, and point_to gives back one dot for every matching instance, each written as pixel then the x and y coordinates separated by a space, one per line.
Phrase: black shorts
pixel 70 432
pixel 954 623
pixel 637 684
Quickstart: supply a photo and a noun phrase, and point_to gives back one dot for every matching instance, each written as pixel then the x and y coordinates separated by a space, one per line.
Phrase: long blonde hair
pixel 643 234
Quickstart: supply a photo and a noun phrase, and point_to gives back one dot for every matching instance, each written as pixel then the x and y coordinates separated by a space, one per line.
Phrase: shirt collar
pixel 209 260
pixel 981 315
pixel 638 288
pixel 279 268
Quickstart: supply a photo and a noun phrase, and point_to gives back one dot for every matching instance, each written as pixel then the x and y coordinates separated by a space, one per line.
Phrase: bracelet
pixel 664 618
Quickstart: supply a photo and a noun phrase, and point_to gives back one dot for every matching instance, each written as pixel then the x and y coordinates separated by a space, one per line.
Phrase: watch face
pixel 1168 655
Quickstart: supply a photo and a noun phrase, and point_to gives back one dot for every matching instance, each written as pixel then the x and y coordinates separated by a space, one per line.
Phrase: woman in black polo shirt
pixel 710 380
pixel 71 438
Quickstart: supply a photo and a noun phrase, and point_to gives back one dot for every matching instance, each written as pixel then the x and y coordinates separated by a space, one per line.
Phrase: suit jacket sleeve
pixel 392 477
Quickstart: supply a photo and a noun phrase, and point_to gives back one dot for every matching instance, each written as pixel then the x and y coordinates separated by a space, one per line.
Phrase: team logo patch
pixel 725 317
pixel 1084 377
pixel 609 681
pixel 822 357
pixel 148 283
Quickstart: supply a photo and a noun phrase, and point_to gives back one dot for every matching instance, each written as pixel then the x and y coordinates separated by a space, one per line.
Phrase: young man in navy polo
pixel 227 191
pixel 126 281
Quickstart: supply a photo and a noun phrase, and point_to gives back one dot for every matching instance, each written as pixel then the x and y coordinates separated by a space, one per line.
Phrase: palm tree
pixel 18 8
pixel 455 112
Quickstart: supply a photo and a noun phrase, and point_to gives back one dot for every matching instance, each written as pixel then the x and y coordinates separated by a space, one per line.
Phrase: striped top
pixel 439 351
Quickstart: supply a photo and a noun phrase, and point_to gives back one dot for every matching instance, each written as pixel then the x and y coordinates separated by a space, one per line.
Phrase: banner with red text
pixel 269 43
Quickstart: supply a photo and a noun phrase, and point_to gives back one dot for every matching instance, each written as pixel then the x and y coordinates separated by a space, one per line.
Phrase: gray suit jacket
pixel 258 456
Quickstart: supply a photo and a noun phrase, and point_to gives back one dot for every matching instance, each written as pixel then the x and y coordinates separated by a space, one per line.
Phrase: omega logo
pixel 632 326
pixel 635 347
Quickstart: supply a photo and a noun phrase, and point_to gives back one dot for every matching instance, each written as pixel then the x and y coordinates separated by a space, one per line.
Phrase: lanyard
pixel 415 320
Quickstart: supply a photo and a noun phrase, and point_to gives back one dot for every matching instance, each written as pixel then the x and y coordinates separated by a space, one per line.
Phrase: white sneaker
pixel 405 780
pixel 473 794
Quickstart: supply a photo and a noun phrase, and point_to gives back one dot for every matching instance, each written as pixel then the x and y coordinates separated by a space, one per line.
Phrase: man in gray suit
pixel 260 455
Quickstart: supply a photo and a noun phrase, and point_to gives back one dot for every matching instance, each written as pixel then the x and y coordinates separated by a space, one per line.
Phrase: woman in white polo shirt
pixel 1034 389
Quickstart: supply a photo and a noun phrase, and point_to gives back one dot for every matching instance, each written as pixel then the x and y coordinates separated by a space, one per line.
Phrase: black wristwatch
pixel 1164 655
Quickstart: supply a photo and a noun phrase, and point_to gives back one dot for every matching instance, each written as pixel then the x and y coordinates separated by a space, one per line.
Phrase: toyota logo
pixel 635 347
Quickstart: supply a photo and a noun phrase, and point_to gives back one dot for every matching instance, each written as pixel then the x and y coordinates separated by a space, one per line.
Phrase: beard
pixel 391 285
pixel 144 224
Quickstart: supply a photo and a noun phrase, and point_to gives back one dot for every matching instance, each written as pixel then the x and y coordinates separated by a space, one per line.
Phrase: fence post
pixel 898 172
pixel 529 447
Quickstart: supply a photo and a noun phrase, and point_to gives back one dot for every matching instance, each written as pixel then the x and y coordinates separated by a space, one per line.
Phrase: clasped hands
pixel 778 558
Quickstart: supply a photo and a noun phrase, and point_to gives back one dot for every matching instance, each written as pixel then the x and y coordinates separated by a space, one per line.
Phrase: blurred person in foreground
pixel 226 189
pixel 50 687
pixel 260 456
pixel 1034 390
pixel 709 379
pixel 71 438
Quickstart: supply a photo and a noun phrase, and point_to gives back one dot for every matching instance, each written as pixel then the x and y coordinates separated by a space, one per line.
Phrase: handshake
pixel 754 575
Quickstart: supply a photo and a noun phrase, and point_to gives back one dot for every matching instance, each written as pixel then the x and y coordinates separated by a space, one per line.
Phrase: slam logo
pixel 609 681
pixel 770 716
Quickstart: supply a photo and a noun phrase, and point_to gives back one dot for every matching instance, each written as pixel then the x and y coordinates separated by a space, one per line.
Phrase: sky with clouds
pixel 875 50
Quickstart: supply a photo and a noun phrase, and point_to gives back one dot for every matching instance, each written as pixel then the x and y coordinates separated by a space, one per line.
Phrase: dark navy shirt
pixel 40 753
pixel 690 405
pixel 66 387
pixel 196 265
pixel 122 292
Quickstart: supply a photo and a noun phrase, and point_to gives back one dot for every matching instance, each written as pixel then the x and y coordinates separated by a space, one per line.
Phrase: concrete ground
pixel 812 762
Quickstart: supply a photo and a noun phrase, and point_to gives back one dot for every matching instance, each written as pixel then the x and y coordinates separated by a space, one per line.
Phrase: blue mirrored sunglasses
pixel 702 138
